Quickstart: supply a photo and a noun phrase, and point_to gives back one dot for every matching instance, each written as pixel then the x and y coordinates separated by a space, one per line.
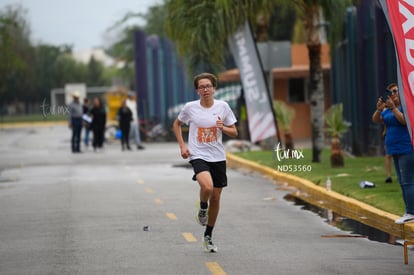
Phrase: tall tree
pixel 200 29
pixel 16 55
pixel 315 15
pixel 122 48
pixel 47 68
pixel 95 73
pixel 311 14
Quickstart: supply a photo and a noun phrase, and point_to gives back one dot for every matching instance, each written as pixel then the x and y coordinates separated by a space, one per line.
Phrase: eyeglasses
pixel 207 87
pixel 394 91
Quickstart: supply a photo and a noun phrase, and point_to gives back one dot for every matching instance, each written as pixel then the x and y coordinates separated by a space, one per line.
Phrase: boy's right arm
pixel 185 153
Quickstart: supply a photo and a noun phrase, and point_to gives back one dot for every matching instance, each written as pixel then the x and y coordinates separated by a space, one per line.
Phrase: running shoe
pixel 202 217
pixel 208 244
pixel 405 218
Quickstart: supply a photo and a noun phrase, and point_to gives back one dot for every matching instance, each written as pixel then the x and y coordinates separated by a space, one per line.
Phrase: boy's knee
pixel 207 188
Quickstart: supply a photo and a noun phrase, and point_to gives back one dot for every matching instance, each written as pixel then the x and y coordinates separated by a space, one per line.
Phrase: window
pixel 298 90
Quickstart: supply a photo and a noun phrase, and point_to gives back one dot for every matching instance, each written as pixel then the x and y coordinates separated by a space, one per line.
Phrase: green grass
pixel 32 118
pixel 345 180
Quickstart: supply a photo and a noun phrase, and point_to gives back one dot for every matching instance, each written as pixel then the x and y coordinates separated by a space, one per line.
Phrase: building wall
pixel 301 128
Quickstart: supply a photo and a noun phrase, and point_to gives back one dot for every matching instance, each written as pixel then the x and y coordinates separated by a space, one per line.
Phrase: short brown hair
pixel 392 85
pixel 212 78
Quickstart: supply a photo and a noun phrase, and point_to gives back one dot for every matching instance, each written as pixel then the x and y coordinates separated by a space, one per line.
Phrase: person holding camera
pixel 398 144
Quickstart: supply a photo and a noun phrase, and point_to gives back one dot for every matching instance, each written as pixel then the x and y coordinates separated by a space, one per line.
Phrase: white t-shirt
pixel 132 104
pixel 204 138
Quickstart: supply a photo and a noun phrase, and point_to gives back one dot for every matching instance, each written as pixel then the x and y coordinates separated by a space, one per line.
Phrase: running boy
pixel 208 119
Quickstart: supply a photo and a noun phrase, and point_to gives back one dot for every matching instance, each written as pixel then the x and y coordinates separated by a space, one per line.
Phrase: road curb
pixel 14 125
pixel 319 196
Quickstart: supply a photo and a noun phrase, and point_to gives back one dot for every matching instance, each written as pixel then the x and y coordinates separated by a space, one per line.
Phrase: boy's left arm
pixel 230 130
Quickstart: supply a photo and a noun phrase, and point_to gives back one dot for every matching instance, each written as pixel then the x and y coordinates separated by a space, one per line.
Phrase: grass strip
pixel 345 180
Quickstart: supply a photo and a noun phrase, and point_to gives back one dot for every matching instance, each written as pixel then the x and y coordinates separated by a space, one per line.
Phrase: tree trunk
pixel 337 159
pixel 262 28
pixel 317 100
pixel 312 17
pixel 289 145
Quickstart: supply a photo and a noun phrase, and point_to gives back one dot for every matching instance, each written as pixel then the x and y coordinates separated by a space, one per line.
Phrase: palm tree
pixel 201 28
pixel 312 13
pixel 285 115
pixel 336 126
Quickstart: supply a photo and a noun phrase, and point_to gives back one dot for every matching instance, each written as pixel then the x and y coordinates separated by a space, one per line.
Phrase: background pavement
pixel 64 213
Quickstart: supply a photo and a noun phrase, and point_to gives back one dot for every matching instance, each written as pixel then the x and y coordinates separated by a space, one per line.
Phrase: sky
pixel 80 23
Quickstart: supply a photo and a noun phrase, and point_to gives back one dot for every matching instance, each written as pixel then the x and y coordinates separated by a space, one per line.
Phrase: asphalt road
pixel 64 213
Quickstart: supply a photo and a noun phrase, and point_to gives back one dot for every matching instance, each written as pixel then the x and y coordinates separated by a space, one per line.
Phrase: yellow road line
pixel 189 237
pixel 215 268
pixel 149 190
pixel 171 216
pixel 158 201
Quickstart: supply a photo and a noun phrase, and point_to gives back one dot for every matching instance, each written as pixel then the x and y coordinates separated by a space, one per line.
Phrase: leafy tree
pixel 122 49
pixel 312 13
pixel 16 55
pixel 200 29
pixel 56 67
pixel 155 19
pixel 282 16
pixel 46 64
pixel 315 17
pixel 281 22
pixel 69 71
pixel 28 73
pixel 95 73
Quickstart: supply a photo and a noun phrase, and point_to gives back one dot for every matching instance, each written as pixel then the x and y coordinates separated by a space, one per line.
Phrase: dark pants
pixel 125 135
pixel 404 168
pixel 98 137
pixel 76 134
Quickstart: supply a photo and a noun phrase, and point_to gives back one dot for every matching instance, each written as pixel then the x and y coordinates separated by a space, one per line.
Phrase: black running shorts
pixel 217 171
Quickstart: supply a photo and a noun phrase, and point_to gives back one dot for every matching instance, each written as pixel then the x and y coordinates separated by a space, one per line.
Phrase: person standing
pixel 208 120
pixel 132 105
pixel 398 144
pixel 98 123
pixel 388 161
pixel 124 116
pixel 86 121
pixel 75 121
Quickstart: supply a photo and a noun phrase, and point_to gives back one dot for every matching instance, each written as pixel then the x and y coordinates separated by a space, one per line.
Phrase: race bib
pixel 207 135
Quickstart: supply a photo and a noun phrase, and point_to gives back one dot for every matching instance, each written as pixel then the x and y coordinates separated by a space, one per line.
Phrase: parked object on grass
pixel 366 184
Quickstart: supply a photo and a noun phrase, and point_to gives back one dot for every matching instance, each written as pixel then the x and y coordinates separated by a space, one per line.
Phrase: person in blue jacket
pixel 398 144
